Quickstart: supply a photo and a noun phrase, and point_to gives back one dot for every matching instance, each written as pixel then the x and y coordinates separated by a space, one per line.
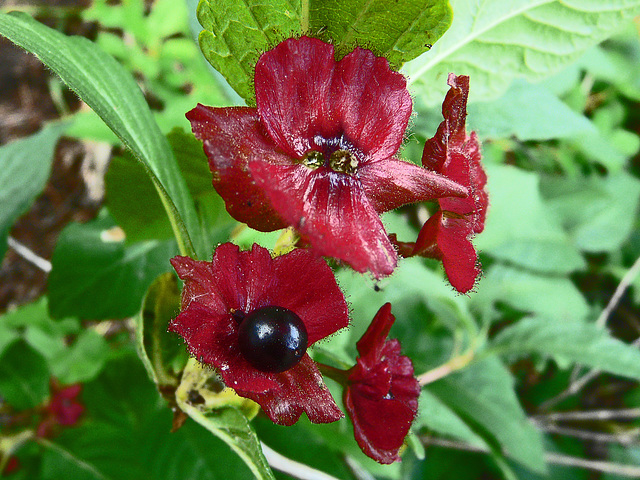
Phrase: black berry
pixel 272 339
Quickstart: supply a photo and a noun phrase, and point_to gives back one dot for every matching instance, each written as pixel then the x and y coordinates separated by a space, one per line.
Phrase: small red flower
pixel 64 408
pixel 318 152
pixel 236 287
pixel 382 395
pixel 447 234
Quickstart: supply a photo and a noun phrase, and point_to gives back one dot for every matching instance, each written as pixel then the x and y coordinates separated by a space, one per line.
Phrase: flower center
pixel 343 161
pixel 272 339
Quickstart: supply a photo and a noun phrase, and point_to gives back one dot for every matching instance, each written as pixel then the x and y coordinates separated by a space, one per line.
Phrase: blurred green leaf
pixel 483 395
pixel 495 42
pixel 24 376
pixel 125 434
pixel 137 209
pixel 520 228
pixel 598 212
pixel 553 297
pixel 25 165
pixel 113 94
pixel 82 360
pixel 528 112
pixel 157 347
pixel 438 417
pixel 96 276
pixel 399 30
pixel 236 33
pixel 569 341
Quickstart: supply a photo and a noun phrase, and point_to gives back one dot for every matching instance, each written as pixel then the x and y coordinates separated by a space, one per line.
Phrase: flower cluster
pixel 318 153
pixel 64 409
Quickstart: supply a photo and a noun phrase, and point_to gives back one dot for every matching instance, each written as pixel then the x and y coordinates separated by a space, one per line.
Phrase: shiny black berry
pixel 272 339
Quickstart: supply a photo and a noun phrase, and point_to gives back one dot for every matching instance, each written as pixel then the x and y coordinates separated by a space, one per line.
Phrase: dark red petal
pixel 231 137
pixel 448 238
pixel 199 284
pixel 245 280
pixel 306 286
pixel 293 83
pixel 371 102
pixel 371 343
pixel 456 155
pixel 392 183
pixel 380 425
pixel 213 339
pixel 300 389
pixel 331 210
pixel 65 406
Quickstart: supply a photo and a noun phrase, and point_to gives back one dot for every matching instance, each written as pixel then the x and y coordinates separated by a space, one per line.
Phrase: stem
pixel 456 363
pixel 304 17
pixel 340 376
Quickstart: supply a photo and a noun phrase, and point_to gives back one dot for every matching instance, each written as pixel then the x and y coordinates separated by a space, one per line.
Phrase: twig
pixel 293 468
pixel 456 363
pixel 626 438
pixel 589 415
pixel 29 255
pixel 555 458
pixel 628 278
pixel 577 383
pixel 575 386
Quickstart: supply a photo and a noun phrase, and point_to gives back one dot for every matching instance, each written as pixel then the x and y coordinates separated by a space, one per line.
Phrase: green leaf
pixel 137 209
pixel 397 29
pixel 520 228
pixel 528 112
pixel 81 361
pixel 483 395
pixel 555 297
pixel 157 347
pixel 438 417
pixel 222 412
pixel 495 41
pixel 236 33
pixel 24 169
pixel 569 341
pixel 114 95
pixel 24 376
pixel 95 275
pixel 598 212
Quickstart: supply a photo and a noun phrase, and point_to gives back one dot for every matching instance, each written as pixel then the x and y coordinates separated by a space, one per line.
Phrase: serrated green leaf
pixel 24 169
pixel 157 347
pixel 399 30
pixel 483 395
pixel 496 41
pixel 113 94
pixel 95 275
pixel 236 33
pixel 520 228
pixel 24 376
pixel 569 341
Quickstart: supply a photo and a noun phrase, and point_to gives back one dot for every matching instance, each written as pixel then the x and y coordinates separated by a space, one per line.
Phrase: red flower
pixel 382 396
pixel 64 408
pixel 447 234
pixel 235 287
pixel 318 152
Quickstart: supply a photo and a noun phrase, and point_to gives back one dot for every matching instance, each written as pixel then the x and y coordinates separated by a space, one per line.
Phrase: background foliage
pixel 557 111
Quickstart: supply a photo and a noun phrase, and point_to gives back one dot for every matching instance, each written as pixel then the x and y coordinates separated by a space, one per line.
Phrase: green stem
pixel 340 376
pixel 304 17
